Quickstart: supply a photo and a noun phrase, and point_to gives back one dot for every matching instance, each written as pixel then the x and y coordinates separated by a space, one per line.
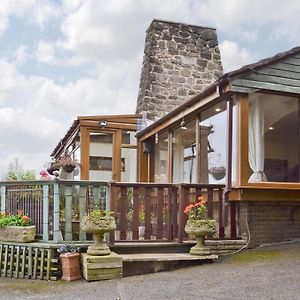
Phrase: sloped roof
pixel 223 80
pixel 262 63
pixel 70 131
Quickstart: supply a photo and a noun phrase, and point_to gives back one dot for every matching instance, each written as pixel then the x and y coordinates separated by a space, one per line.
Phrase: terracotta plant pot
pixel 70 264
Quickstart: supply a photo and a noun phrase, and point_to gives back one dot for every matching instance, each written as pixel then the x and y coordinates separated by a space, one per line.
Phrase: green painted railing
pixel 55 207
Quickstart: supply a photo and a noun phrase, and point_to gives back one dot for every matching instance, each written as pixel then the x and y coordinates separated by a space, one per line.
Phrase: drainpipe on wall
pixel 228 183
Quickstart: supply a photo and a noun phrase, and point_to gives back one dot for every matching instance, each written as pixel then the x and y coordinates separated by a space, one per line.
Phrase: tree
pixel 17 172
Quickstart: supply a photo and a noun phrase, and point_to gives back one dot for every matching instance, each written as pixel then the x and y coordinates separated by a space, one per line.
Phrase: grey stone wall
pixel 179 62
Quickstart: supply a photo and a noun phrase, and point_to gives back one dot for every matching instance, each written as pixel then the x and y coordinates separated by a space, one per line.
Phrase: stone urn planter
pixel 200 228
pixel 17 234
pixel 98 225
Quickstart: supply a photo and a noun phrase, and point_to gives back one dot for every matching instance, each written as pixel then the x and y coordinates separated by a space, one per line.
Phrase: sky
pixel 63 59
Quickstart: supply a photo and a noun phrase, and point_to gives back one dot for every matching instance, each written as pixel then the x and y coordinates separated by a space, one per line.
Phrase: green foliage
pixel 14 220
pixel 100 213
pixel 16 172
pixel 68 248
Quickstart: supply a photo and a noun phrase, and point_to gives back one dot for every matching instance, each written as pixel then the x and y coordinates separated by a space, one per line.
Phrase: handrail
pixel 58 205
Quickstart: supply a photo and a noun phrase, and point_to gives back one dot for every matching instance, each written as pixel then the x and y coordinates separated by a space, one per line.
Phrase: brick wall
pixel 269 222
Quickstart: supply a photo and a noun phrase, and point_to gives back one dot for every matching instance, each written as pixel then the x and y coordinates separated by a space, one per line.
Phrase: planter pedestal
pixel 200 248
pixel 97 268
pixel 100 246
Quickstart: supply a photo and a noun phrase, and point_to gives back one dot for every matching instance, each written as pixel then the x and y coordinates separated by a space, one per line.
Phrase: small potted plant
pixel 98 222
pixel 54 166
pixel 70 262
pixel 199 225
pixel 67 163
pixel 16 228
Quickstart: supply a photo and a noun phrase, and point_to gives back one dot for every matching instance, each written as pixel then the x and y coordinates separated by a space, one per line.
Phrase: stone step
pixel 144 263
pixel 146 257
pixel 216 247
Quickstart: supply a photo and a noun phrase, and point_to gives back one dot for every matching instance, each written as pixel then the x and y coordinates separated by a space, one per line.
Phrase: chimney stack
pixel 179 62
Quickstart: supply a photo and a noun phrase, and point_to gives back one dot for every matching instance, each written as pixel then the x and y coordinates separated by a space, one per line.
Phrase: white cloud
pixel 21 55
pixel 233 56
pixel 45 53
pixel 236 17
pixel 39 12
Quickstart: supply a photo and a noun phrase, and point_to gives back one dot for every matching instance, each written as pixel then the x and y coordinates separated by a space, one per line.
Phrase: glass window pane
pixel 184 153
pixel 273 138
pixel 161 158
pixel 213 144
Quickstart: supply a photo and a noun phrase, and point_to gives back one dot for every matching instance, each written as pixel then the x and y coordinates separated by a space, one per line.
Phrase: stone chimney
pixel 179 62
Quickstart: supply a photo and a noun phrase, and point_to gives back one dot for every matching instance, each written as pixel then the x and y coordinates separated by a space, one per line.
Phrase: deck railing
pixel 143 211
pixel 158 209
pixel 55 207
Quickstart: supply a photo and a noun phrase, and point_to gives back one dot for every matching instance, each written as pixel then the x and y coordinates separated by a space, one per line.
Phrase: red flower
pixel 25 218
pixel 188 208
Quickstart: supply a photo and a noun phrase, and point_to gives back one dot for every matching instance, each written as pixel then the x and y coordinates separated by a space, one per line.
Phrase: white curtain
pixel 256 140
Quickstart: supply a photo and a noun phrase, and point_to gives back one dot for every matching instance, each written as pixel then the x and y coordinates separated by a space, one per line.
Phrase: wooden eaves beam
pixel 110 125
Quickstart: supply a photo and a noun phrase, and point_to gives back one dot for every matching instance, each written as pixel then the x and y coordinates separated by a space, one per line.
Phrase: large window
pixel 213 144
pixel 184 153
pixel 161 158
pixel 273 138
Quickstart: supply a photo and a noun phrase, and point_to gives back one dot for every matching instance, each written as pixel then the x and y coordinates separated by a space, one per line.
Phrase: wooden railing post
pixel 180 213
pixel 45 212
pixel 3 198
pixel 221 215
pixel 135 214
pixel 56 233
pixel 107 197
pixel 170 214
pixel 210 203
pixel 82 210
pixel 123 213
pixel 112 205
pixel 68 212
pixel 160 207
pixel 148 213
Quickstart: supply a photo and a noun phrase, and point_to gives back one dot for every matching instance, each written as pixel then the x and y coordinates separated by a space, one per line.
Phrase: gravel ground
pixel 266 273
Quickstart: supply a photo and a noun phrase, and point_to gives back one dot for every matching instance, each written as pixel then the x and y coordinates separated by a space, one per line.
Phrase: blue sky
pixel 61 59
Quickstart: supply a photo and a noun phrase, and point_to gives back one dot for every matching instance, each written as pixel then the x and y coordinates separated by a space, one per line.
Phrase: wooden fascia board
pixel 110 125
pixel 183 113
pixel 111 117
pixel 120 120
pixel 270 194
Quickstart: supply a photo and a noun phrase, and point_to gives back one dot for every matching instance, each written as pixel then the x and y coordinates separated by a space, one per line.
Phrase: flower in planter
pixel 70 262
pixel 67 163
pixel 196 211
pixel 68 248
pixel 18 219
